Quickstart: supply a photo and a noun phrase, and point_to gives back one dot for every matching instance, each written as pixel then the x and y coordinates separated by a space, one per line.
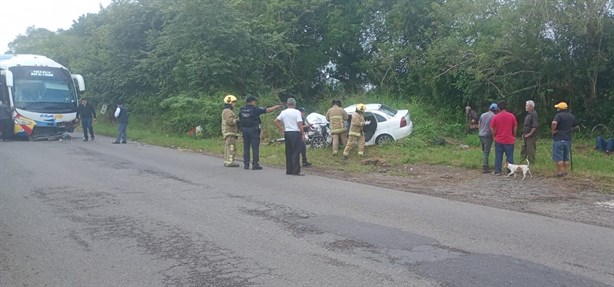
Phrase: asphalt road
pixel 76 213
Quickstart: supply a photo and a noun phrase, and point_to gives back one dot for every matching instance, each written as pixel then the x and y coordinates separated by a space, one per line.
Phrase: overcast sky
pixel 18 15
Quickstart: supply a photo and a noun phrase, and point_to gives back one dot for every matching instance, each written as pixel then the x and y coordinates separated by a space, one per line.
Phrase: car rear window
pixel 388 110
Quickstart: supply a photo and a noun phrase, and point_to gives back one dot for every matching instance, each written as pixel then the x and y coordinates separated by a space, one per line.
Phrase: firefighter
pixel 337 116
pixel 356 133
pixel 230 131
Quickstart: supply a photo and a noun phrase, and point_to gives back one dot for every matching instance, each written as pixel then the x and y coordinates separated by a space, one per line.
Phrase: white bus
pixel 42 95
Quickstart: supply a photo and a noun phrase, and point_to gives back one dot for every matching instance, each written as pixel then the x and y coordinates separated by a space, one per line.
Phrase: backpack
pixel 247 119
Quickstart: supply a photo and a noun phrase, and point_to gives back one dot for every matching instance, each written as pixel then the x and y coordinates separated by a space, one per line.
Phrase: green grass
pixel 429 124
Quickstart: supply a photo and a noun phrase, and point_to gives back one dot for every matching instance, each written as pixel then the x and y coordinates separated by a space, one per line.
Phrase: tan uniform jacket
pixel 336 116
pixel 229 123
pixel 358 122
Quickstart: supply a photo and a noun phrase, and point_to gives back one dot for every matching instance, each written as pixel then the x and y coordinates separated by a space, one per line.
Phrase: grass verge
pixel 588 164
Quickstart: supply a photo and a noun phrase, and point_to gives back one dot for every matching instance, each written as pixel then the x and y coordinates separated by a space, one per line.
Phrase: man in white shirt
pixel 121 113
pixel 290 123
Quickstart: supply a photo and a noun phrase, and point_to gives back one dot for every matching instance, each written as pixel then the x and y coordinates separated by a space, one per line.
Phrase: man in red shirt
pixel 503 127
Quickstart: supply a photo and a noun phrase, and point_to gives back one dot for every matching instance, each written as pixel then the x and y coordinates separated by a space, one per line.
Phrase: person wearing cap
pixel 306 126
pixel 486 135
pixel 472 120
pixel 230 131
pixel 86 114
pixel 561 130
pixel 356 132
pixel 503 127
pixel 249 122
pixel 290 123
pixel 529 133
pixel 337 116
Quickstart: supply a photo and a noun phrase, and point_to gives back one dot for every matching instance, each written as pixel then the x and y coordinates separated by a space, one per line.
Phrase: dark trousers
pixel 293 152
pixel 528 149
pixel 304 152
pixel 6 126
pixel 508 149
pixel 251 139
pixel 86 125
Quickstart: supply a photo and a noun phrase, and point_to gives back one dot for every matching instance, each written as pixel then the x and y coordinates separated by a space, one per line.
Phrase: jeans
pixel 561 151
pixel 604 145
pixel 600 144
pixel 500 148
pixel 486 142
pixel 121 132
pixel 86 124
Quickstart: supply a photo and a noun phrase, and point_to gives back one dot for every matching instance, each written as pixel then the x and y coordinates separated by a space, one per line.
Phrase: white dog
pixel 514 168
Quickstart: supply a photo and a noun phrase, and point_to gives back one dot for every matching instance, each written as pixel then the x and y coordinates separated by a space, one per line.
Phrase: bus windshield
pixel 44 90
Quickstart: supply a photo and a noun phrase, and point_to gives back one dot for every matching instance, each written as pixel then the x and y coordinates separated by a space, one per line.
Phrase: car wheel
pixel 318 142
pixel 383 139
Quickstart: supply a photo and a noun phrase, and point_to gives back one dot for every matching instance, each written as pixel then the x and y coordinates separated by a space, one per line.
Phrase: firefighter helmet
pixel 229 99
pixel 361 107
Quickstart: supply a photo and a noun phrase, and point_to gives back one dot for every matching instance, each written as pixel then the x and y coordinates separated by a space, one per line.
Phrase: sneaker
pixel 234 164
pixel 256 167
pixel 246 166
pixel 306 164
pixel 115 142
pixel 84 140
pixel 92 137
pixel 496 173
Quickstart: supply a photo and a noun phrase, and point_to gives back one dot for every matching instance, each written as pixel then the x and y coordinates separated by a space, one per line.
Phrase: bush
pixel 183 112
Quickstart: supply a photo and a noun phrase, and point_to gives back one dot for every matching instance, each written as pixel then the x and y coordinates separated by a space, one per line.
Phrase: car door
pixel 370 129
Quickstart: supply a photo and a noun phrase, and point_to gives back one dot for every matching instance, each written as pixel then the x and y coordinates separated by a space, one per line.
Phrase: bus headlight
pixel 23 122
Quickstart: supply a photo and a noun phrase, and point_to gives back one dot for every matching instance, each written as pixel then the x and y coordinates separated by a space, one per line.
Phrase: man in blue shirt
pixel 249 122
pixel 485 134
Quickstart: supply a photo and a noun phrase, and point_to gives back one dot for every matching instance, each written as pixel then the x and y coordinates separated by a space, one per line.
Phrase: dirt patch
pixel 565 198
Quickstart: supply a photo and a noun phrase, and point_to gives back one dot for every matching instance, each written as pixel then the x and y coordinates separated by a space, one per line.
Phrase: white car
pixel 387 124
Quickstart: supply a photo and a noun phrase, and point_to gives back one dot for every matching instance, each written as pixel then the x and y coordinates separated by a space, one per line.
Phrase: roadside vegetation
pixel 432 126
pixel 172 61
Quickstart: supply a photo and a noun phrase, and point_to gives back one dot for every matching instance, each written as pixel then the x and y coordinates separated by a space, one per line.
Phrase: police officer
pixel 230 131
pixel 249 122
pixel 356 133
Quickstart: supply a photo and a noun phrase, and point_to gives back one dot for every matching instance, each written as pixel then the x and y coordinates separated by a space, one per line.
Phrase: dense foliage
pixel 173 60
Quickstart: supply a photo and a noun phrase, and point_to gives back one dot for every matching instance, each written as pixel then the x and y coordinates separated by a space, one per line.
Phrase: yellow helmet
pixel 229 99
pixel 361 107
